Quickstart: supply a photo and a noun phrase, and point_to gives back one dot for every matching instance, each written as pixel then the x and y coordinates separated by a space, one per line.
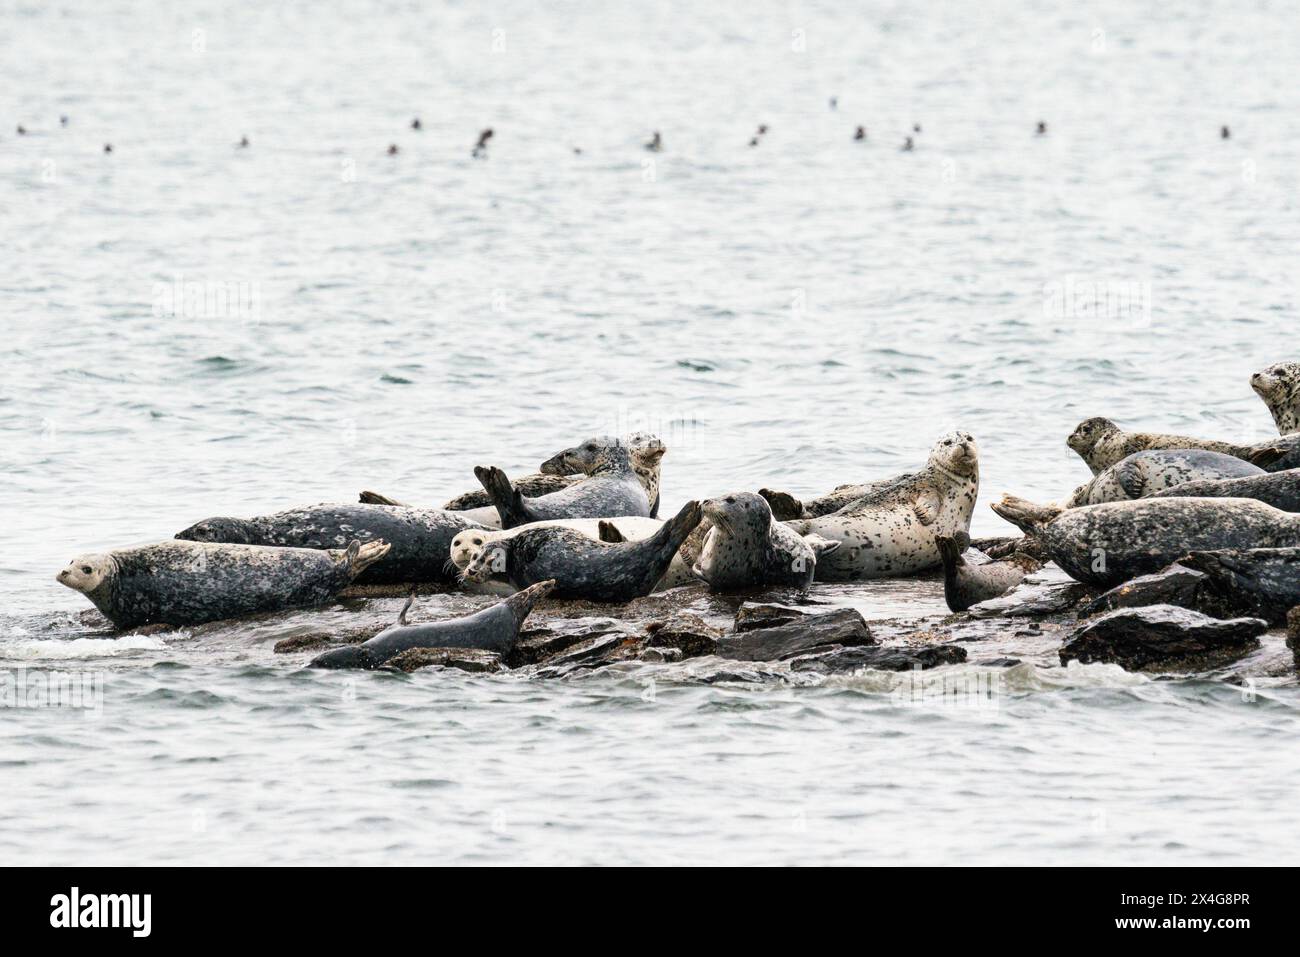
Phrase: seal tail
pixel 669 538
pixel 410 600
pixel 359 557
pixel 785 507
pixel 1024 514
pixel 1264 455
pixel 508 500
pixel 522 602
pixel 950 550
pixel 609 532
pixel 374 498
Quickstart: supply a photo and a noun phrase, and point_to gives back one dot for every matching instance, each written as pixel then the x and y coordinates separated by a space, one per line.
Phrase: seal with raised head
pixel 1146 473
pixel 1279 387
pixel 891 531
pixel 189 583
pixel 1101 443
pixel 583 568
pixel 967 583
pixel 745 548
pixel 1279 489
pixel 492 629
pixel 1109 544
pixel 646 450
pixel 419 537
pixel 609 490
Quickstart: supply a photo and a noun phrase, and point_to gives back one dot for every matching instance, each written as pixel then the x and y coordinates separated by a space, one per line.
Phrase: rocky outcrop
pixel 1175 585
pixel 1035 599
pixel 845 626
pixel 877 658
pixel 687 634
pixel 1293 629
pixel 466 659
pixel 536 645
pixel 1163 637
pixel 751 616
pixel 1259 581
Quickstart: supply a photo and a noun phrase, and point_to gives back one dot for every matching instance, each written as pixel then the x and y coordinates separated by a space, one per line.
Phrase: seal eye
pixel 86 569
pixel 478 541
pixel 730 500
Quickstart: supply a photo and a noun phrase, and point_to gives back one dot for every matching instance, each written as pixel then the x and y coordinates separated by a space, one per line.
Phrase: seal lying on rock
pixel 1101 443
pixel 1109 544
pixel 1279 387
pixel 745 548
pixel 1279 489
pixel 493 629
pixel 582 568
pixel 891 531
pixel 785 507
pixel 610 490
pixel 419 537
pixel 968 583
pixel 189 583
pixel 646 451
pixel 1146 473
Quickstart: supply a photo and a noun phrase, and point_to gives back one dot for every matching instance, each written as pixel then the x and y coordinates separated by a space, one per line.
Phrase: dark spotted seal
pixel 1109 544
pixel 189 583
pixel 420 538
pixel 967 583
pixel 1279 387
pixel 1279 489
pixel 493 629
pixel 609 490
pixel 1101 443
pixel 583 568
pixel 1146 473
pixel 891 531
pixel 745 548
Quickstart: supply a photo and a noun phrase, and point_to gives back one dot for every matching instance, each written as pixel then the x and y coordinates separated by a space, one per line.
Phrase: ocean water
pixel 193 329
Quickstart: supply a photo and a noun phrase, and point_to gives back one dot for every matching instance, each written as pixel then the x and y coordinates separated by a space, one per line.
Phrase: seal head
pixel 1279 387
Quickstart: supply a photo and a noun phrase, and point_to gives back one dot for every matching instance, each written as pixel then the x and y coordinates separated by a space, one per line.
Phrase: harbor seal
pixel 583 568
pixel 967 583
pixel 1101 443
pixel 609 490
pixel 1279 387
pixel 188 583
pixel 1264 580
pixel 891 531
pixel 785 507
pixel 745 548
pixel 1146 473
pixel 1108 544
pixel 646 450
pixel 492 629
pixel 1279 489
pixel 419 538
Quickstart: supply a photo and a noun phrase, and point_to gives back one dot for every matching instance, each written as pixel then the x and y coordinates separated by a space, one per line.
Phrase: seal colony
pixel 1210 524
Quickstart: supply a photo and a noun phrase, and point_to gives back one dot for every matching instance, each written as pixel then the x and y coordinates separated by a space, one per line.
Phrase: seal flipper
pixel 609 532
pixel 1024 514
pixel 410 600
pixel 1266 456
pixel 507 499
pixel 927 506
pixel 374 498
pixel 1130 480
pixel 785 507
pixel 359 557
pixel 522 602
pixel 950 550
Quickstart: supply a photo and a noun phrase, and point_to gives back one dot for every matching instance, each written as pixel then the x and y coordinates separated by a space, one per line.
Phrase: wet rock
pixel 998 662
pixel 661 655
pixel 1028 551
pixel 1161 637
pixel 686 633
pixel 810 633
pixel 1259 581
pixel 881 658
pixel 720 672
pixel 1293 629
pixel 1035 599
pixel 593 653
pixel 1175 585
pixel 466 659
pixel 313 640
pixel 751 616
pixel 537 645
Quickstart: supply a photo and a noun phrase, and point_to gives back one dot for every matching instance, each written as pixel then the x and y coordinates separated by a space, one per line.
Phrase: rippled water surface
pixel 804 313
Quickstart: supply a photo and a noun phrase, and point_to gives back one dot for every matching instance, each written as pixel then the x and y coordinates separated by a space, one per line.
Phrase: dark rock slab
pixel 1035 599
pixel 593 653
pixel 750 616
pixel 466 659
pixel 1175 585
pixel 687 633
pixel 881 658
pixel 315 639
pixel 662 655
pixel 1293 629
pixel 1260 581
pixel 844 626
pixel 537 645
pixel 1163 637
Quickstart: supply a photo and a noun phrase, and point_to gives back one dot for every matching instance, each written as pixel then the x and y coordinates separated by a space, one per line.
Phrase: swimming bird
pixel 108 147
pixel 415 123
pixel 908 145
pixel 22 131
pixel 860 133
pixel 63 121
pixel 1224 133
pixel 243 143
pixel 916 127
pixel 392 149
pixel 480 148
pixel 1042 128
pixel 656 144
pixel 835 102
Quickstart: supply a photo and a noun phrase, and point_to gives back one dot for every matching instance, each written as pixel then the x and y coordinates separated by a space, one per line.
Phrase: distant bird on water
pixel 392 149
pixel 860 133
pixel 656 144
pixel 243 143
pixel 1225 133
pixel 108 147
pixel 916 127
pixel 762 130
pixel 835 102
pixel 908 145
pixel 415 123
pixel 22 130
pixel 1042 129
pixel 480 148
pixel 63 121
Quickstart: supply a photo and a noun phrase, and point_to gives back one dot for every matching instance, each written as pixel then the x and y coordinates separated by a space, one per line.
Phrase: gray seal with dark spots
pixel 967 583
pixel 646 452
pixel 583 567
pixel 1101 443
pixel 1109 544
pixel 744 548
pixel 891 532
pixel 785 507
pixel 1146 473
pixel 189 583
pixel 611 489
pixel 1279 489
pixel 420 538
pixel 493 629
pixel 1279 387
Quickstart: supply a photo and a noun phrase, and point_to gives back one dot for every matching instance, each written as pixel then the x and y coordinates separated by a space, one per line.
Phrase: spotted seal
pixel 646 450
pixel 891 531
pixel 785 507
pixel 745 548
pixel 582 568
pixel 1146 473
pixel 1101 443
pixel 189 583
pixel 1279 489
pixel 492 629
pixel 1279 387
pixel 967 583
pixel 419 537
pixel 1108 544
pixel 609 490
